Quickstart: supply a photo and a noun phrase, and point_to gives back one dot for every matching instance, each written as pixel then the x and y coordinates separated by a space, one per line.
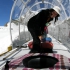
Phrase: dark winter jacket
pixel 38 21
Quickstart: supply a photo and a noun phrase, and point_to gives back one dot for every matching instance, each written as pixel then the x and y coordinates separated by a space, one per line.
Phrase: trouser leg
pixel 36 40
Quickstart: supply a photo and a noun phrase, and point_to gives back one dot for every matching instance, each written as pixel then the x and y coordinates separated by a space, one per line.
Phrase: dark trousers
pixel 36 40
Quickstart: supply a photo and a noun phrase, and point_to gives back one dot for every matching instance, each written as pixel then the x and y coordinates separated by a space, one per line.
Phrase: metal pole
pixel 11 19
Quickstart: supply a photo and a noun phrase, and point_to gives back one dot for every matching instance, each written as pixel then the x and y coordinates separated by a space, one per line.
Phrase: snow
pixel 5 38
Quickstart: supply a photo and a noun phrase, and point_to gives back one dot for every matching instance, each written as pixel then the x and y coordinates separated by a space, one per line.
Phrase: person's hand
pixel 40 37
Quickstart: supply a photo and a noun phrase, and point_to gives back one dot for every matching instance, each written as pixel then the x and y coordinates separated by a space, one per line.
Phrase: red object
pixel 30 45
pixel 63 61
pixel 47 45
pixel 46 29
pixel 44 45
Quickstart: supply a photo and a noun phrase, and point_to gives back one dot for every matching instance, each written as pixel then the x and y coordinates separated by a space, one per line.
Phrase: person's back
pixel 40 18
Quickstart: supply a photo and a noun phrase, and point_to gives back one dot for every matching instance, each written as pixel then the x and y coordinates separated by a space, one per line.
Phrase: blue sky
pixel 5 9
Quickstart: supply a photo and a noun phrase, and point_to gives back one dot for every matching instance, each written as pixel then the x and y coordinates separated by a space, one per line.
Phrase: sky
pixel 6 6
pixel 5 10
